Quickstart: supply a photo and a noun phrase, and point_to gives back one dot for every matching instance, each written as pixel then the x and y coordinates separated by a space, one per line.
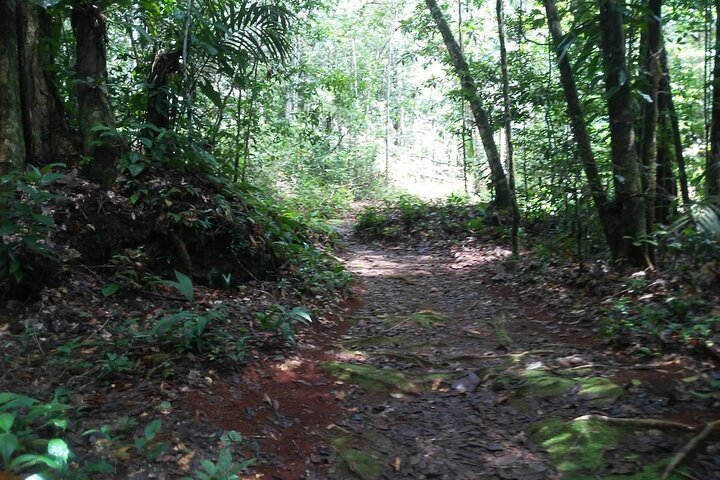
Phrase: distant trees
pixel 501 186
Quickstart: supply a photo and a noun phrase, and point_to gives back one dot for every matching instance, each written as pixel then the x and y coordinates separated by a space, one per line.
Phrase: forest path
pixel 446 372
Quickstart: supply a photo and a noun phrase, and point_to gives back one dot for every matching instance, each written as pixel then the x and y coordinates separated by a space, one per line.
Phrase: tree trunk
pixel 648 146
pixel 501 186
pixel 508 126
pixel 666 96
pixel 579 127
pixel 712 172
pixel 97 122
pixel 158 108
pixel 12 142
pixel 47 135
pixel 666 191
pixel 630 236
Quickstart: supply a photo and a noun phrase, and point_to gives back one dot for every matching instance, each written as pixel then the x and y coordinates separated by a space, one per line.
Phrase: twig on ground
pixel 689 447
pixel 470 356
pixel 396 325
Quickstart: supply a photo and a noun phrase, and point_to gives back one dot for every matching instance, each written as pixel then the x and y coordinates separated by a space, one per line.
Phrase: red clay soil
pixel 284 404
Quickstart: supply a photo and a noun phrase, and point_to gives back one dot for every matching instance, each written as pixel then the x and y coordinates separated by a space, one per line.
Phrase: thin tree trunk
pixel 666 184
pixel 12 141
pixel 501 186
pixel 648 147
pixel 508 126
pixel 666 88
pixel 712 173
pixel 249 124
pixel 463 132
pixel 629 200
pixel 95 113
pixel 579 126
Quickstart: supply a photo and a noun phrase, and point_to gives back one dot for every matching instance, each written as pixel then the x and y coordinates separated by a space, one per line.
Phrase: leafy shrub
pixel 27 434
pixel 281 320
pixel 25 227
pixel 406 215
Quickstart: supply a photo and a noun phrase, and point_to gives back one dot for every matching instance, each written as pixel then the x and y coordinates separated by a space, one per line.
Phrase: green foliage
pixel 184 285
pixel 26 221
pixel 280 319
pixel 223 469
pixel 113 364
pixel 189 330
pixel 147 445
pixel 27 429
pixel 408 216
pixel 685 321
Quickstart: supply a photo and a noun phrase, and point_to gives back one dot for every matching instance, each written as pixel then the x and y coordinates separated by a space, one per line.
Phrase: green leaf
pixel 59 449
pixel 8 445
pixel 110 289
pixel 301 315
pixel 183 284
pixel 6 421
pixel 152 429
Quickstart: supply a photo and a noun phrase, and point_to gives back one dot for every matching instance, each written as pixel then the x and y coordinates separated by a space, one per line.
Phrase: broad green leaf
pixel 152 429
pixel 110 289
pixel 6 421
pixel 59 449
pixel 8 445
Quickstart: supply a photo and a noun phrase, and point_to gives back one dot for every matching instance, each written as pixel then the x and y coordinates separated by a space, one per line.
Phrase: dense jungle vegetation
pixel 175 174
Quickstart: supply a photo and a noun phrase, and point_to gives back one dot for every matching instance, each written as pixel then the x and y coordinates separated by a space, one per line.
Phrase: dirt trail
pixel 441 370
pixel 449 373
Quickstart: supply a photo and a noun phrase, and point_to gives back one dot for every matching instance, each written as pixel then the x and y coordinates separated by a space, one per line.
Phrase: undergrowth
pixel 406 217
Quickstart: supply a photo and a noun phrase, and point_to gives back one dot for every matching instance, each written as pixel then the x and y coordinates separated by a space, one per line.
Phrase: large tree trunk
pixel 667 149
pixel 47 136
pixel 579 127
pixel 648 145
pixel 12 142
pixel 503 192
pixel 630 236
pixel 97 122
pixel 712 172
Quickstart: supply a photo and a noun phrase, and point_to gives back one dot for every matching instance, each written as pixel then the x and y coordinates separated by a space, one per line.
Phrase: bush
pixel 26 223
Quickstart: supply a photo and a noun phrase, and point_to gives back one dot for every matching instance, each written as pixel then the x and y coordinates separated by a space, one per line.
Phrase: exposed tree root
pixel 689 447
pixel 636 422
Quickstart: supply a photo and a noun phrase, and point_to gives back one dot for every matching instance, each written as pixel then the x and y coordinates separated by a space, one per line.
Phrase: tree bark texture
pixel 47 135
pixel 651 77
pixel 712 172
pixel 503 192
pixel 158 108
pixel 95 113
pixel 630 236
pixel 12 142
